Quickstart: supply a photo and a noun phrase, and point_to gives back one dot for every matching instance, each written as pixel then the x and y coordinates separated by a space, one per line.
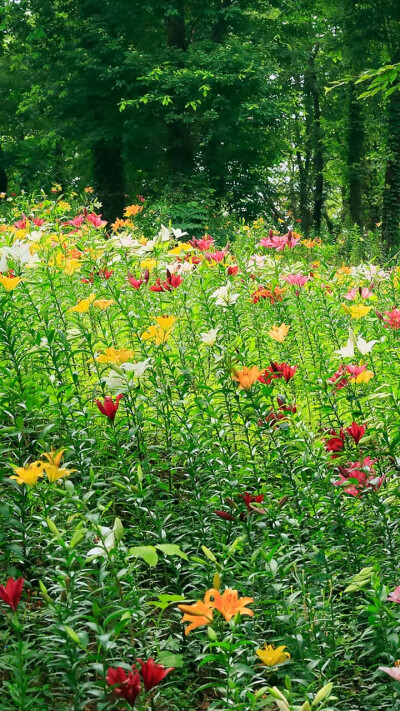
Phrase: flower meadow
pixel 199 466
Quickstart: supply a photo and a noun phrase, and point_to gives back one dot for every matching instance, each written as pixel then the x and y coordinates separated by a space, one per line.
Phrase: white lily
pixel 224 295
pixel 209 337
pixel 138 369
pixel 163 234
pixel 178 233
pixel 360 343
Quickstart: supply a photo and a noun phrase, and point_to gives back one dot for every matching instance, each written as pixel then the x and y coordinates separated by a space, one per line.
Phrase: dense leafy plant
pixel 201 430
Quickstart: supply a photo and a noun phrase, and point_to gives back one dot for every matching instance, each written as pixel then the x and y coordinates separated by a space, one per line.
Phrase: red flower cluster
pixel 274 417
pixel 203 244
pixel 263 292
pixel 102 273
pixel 392 319
pixel 336 442
pixel 248 499
pixel 127 685
pixel 218 256
pixel 279 242
pixel 11 592
pixel 358 476
pixel 278 371
pixel 108 407
pixel 137 283
pixel 172 282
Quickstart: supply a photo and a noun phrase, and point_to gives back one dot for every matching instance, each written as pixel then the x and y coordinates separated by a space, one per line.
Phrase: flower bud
pixel 323 693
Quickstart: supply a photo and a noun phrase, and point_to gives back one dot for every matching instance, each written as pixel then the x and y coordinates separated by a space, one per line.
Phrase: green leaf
pixel 169 659
pixel 147 553
pixel 171 549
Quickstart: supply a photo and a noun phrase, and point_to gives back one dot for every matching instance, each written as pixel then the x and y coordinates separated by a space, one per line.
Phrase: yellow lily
pixel 28 474
pixel 9 283
pixel 357 310
pixel 148 264
pixel 364 377
pixel 271 656
pixel 161 332
pixel 115 355
pixel 279 333
pixel 103 303
pixel 83 306
pixel 52 466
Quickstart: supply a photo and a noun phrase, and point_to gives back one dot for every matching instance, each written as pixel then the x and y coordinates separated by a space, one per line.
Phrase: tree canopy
pixel 257 104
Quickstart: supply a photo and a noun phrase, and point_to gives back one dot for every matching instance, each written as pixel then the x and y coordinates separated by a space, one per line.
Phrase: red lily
pixel 355 431
pixel 355 370
pixel 172 282
pixel 135 283
pixel 108 407
pixel 126 685
pixel 96 219
pixel 336 442
pixel 203 244
pixel 278 370
pixel 339 379
pixel 232 271
pixel 152 673
pixel 251 499
pixel 364 475
pixel 392 319
pixel 11 592
pixel 102 273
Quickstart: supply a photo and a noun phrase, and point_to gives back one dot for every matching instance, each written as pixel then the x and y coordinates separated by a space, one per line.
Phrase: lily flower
pixel 108 407
pixel 246 377
pixel 394 596
pixel 229 604
pixel 161 331
pixel 11 592
pixel 52 467
pixel 279 333
pixel 392 319
pixel 277 371
pixel 115 355
pixel 271 656
pixel 125 685
pixel 152 673
pixel 394 672
pixel 355 431
pixel 9 283
pixel 83 306
pixel 198 615
pixel 29 474
pixel 357 311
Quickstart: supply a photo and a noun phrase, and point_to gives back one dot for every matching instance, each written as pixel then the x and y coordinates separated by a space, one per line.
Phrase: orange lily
pixel 198 615
pixel 229 603
pixel 247 377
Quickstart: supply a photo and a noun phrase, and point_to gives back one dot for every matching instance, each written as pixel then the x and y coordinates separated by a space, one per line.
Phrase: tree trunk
pixel 318 162
pixel 180 146
pixel 3 174
pixel 108 173
pixel 391 196
pixel 355 152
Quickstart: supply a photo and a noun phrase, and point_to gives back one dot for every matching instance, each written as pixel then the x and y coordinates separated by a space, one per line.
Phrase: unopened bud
pixel 323 693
